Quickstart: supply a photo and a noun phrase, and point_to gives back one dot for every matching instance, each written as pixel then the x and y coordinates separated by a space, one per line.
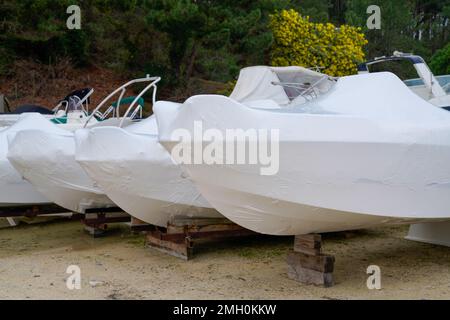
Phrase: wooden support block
pixel 181 249
pixel 322 263
pixel 96 224
pixel 307 264
pixel 179 236
pixel 100 219
pixel 311 269
pixel 308 244
pixel 308 276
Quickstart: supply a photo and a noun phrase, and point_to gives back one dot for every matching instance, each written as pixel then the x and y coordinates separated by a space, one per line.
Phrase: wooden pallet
pixel 31 211
pixel 307 264
pixel 33 214
pixel 96 220
pixel 179 237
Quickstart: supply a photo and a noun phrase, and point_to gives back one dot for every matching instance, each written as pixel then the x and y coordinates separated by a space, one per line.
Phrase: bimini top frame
pixel 114 108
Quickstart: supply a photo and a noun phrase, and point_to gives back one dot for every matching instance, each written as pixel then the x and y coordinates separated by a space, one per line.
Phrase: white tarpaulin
pixel 257 83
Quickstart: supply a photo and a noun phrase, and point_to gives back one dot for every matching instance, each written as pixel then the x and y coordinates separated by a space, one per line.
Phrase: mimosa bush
pixel 298 41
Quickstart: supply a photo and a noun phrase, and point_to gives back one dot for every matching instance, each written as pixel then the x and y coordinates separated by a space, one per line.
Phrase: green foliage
pixel 185 39
pixel 298 41
pixel 417 26
pixel 396 25
pixel 179 39
pixel 440 63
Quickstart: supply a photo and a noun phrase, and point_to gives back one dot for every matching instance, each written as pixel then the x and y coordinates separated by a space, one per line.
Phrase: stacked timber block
pixel 181 233
pixel 307 264
pixel 96 220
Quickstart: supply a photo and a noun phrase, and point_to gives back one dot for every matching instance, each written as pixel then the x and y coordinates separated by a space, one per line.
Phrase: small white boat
pixel 46 158
pixel 14 190
pixel 138 174
pixel 354 152
pixel 57 115
pixel 433 89
pixel 436 90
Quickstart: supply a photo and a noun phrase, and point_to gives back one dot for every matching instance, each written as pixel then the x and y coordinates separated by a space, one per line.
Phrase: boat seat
pixel 129 100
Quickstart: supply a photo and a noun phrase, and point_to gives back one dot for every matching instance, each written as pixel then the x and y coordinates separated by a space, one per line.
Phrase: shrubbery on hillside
pixel 298 41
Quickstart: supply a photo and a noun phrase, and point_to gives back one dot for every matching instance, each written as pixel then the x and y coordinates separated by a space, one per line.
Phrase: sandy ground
pixel 34 260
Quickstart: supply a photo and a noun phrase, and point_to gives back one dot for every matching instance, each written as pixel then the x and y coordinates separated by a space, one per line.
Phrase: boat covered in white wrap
pixel 361 151
pixel 436 90
pixel 138 174
pixel 46 157
pixel 433 89
pixel 69 114
pixel 14 190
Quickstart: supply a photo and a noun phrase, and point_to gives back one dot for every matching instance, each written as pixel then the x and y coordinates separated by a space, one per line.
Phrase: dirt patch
pixel 46 84
pixel 31 82
pixel 34 260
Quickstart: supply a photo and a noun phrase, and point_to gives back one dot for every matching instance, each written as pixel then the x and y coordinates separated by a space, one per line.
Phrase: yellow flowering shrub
pixel 300 42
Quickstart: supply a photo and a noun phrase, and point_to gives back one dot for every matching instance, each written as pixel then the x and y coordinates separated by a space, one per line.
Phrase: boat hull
pixel 437 233
pixel 14 190
pixel 318 198
pixel 352 165
pixel 47 161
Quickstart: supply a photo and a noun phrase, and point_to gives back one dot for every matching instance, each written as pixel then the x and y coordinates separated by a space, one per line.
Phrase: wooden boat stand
pixel 180 235
pixel 31 212
pixel 307 264
pixel 96 220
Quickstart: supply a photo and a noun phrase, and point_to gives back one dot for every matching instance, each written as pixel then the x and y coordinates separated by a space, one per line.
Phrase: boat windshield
pixel 283 86
pixel 74 103
pixel 444 81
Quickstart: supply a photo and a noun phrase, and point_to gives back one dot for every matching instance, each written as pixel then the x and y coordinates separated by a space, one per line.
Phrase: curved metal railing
pixel 115 110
